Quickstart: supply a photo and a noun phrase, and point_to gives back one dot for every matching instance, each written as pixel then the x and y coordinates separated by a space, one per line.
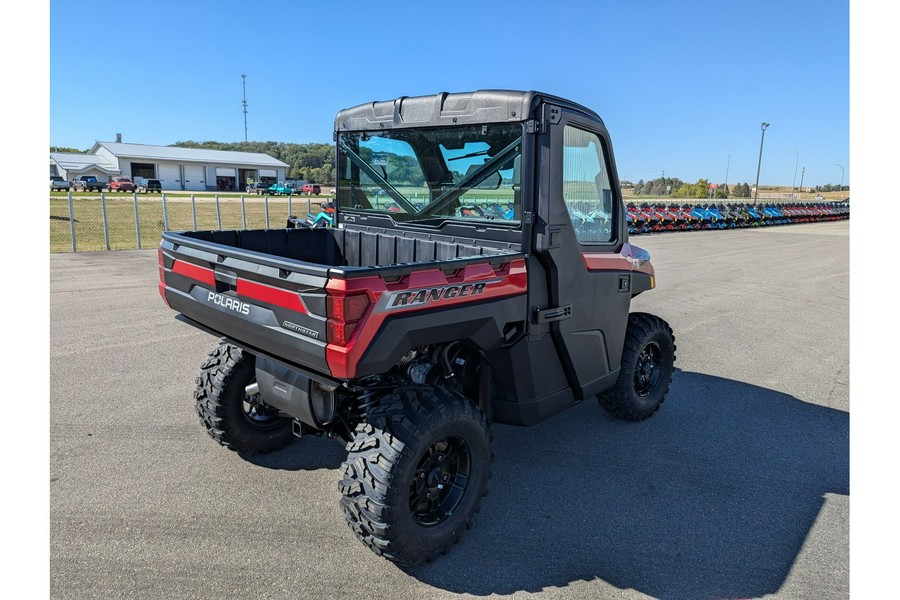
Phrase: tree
pixel 684 191
pixel 67 150
pixel 701 188
pixel 690 190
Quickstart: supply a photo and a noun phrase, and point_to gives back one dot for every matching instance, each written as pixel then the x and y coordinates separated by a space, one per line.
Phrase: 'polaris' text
pixel 231 303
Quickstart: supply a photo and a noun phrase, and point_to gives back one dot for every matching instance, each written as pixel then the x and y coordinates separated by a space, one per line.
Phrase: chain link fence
pixel 121 222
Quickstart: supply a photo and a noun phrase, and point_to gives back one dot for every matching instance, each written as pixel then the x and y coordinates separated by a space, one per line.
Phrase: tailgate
pixel 273 305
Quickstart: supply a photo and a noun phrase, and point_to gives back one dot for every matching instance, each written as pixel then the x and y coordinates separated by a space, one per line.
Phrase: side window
pixel 586 189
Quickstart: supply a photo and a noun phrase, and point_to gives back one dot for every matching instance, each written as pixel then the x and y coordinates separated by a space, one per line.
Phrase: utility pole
pixel 796 164
pixel 244 81
pixel 841 188
pixel 764 126
pixel 802 173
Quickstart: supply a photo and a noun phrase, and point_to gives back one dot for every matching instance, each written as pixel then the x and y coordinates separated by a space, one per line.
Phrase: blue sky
pixel 680 85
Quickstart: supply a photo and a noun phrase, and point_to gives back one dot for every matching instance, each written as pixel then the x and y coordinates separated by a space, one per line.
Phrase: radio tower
pixel 244 81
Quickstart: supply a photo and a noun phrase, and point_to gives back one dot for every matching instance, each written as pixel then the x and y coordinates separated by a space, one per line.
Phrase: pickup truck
pixel 148 186
pixel 88 183
pixel 405 331
pixel 281 188
pixel 58 184
pixel 121 184
pixel 259 188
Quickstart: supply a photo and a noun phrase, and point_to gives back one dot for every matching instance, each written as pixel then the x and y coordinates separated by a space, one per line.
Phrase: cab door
pixel 579 234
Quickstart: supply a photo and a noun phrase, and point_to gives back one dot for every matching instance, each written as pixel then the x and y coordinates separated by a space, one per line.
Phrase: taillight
pixel 347 308
pixel 344 313
pixel 162 276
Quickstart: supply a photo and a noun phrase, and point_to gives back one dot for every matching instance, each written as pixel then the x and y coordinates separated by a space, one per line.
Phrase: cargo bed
pixel 269 290
pixel 342 247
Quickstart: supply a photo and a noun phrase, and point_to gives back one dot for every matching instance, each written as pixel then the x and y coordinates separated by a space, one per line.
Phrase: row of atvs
pixel 646 218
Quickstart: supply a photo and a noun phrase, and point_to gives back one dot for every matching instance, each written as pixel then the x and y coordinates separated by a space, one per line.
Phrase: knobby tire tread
pixel 220 384
pixel 619 400
pixel 371 471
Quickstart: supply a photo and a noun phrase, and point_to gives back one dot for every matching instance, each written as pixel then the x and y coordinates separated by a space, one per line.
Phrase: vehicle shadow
pixel 309 453
pixel 713 497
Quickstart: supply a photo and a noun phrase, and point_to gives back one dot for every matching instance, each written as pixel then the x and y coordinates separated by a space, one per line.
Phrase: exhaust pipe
pixel 252 389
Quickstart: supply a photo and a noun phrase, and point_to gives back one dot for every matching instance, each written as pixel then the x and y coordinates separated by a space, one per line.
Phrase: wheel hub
pixel 437 477
pixel 647 369
pixel 440 482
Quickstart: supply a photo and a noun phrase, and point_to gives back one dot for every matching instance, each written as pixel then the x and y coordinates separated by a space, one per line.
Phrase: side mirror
pixel 491 182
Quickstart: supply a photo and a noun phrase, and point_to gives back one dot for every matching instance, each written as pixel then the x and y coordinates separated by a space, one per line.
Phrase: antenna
pixel 244 81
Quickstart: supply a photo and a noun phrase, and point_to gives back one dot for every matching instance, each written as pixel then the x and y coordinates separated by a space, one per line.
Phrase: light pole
pixel 728 166
pixel 244 83
pixel 841 188
pixel 796 164
pixel 764 126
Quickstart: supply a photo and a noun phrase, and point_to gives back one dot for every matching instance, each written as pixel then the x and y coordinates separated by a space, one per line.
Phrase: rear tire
pixel 415 473
pixel 225 409
pixel 647 363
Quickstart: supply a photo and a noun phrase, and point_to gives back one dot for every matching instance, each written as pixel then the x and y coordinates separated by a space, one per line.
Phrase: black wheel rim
pixel 440 481
pixel 647 369
pixel 258 415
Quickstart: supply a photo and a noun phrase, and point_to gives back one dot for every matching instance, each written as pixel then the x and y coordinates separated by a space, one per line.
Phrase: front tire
pixel 415 473
pixel 230 416
pixel 647 363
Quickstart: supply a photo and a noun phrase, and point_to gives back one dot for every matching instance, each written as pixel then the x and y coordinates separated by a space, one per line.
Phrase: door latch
pixel 548 315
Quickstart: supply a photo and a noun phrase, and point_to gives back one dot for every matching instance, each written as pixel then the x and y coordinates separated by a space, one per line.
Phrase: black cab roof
pixel 446 109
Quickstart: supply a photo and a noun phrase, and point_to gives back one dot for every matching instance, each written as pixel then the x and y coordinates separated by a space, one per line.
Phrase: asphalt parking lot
pixel 737 488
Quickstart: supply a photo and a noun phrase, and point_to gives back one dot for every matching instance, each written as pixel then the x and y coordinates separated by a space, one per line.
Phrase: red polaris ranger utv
pixel 478 271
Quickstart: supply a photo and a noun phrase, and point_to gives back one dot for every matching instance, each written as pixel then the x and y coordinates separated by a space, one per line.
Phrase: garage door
pixel 170 177
pixel 195 178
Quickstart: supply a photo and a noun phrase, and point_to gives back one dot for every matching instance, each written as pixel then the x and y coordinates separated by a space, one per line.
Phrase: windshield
pixel 432 175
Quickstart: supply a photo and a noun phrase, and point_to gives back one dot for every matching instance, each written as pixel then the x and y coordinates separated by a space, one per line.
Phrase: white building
pixel 176 168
